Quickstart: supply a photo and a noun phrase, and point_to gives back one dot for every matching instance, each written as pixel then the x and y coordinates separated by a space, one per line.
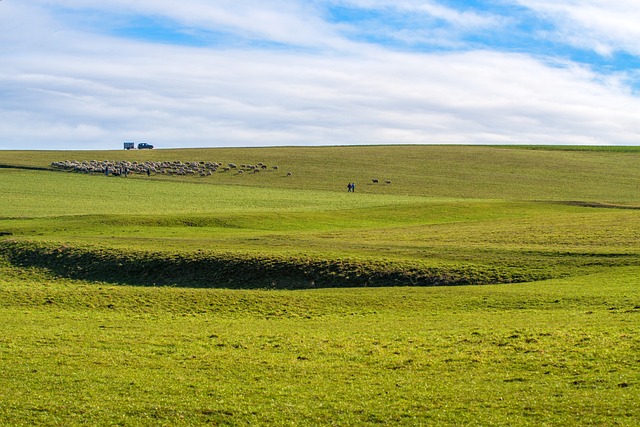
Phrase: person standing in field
pixel 349 188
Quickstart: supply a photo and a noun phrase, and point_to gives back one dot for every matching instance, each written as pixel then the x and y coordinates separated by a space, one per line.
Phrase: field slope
pixel 277 298
pixel 450 215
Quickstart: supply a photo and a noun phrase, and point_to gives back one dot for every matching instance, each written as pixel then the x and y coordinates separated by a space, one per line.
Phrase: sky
pixel 86 74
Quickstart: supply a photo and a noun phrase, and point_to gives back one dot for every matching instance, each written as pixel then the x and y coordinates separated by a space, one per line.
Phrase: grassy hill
pixel 451 215
pixel 524 173
pixel 268 299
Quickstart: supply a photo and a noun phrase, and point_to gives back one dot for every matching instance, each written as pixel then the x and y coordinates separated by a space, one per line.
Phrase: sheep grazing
pixel 167 168
pixel 387 181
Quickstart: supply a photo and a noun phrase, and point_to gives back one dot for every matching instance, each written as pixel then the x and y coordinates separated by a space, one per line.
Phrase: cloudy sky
pixel 88 74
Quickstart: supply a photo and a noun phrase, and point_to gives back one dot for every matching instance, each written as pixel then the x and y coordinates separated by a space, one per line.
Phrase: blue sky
pixel 86 74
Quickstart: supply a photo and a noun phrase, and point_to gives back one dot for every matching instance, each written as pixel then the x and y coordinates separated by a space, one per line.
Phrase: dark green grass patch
pixel 238 270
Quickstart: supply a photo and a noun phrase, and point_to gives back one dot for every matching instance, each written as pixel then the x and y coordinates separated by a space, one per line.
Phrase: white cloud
pixel 603 26
pixel 66 87
pixel 297 23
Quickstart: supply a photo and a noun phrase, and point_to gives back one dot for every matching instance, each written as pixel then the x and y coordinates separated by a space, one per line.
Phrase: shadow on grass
pixel 24 167
pixel 236 271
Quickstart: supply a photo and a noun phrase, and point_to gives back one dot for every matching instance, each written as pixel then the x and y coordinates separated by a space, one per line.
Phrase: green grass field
pixel 267 299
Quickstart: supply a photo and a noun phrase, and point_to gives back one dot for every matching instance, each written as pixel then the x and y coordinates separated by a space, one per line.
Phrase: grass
pixel 476 240
pixel 85 337
pixel 37 194
pixel 544 173
pixel 562 352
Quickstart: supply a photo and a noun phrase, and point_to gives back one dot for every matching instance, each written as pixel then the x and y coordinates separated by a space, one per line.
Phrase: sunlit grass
pixel 544 173
pixel 86 339
pixel 561 352
pixel 522 239
pixel 36 194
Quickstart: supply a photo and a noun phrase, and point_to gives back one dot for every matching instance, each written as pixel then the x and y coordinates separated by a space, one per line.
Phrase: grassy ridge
pixel 428 243
pixel 291 221
pixel 242 271
pixel 543 173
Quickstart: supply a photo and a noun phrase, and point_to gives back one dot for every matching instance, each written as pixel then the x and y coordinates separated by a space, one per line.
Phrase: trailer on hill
pixel 141 146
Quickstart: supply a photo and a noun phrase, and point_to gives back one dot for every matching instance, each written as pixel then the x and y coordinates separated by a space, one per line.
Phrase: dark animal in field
pixel 375 181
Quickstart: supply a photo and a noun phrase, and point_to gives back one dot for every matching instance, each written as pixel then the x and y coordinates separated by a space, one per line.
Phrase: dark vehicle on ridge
pixel 144 145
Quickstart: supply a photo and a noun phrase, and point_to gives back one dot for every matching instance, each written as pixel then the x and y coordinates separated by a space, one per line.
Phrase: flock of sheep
pixel 124 168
